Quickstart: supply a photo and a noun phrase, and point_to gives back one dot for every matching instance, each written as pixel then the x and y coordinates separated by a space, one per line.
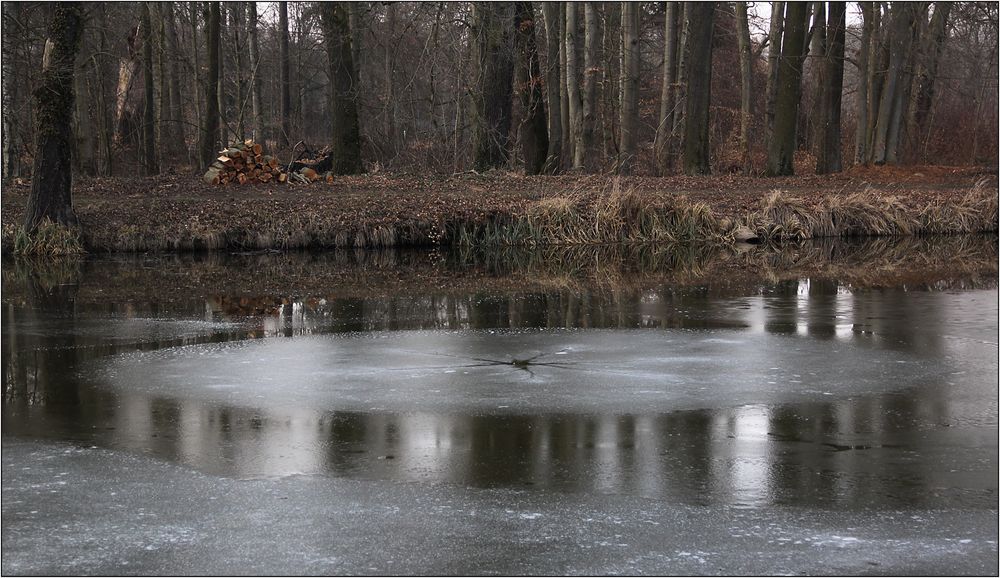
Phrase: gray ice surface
pixel 69 510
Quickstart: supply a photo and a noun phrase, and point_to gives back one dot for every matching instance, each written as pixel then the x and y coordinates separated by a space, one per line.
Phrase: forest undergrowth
pixel 502 209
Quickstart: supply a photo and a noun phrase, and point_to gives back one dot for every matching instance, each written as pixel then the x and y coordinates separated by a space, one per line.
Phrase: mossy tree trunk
pixel 534 132
pixel 701 22
pixel 346 138
pixel 51 182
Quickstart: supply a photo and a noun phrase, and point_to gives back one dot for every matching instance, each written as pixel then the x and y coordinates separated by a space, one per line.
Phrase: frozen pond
pixel 434 414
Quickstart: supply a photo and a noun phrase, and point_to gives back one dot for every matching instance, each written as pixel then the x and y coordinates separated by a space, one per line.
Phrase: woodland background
pixel 452 87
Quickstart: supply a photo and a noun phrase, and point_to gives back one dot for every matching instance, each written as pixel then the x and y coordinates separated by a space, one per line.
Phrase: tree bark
pixel 666 120
pixel 591 68
pixel 284 73
pixel 534 133
pixel 861 96
pixel 256 99
pixel 774 36
pixel 891 102
pixel 149 153
pixel 210 123
pixel 564 109
pixel 781 148
pixel 11 94
pixel 553 161
pixel 932 45
pixel 829 158
pixel 176 131
pixel 573 88
pixel 746 84
pixel 610 42
pixel 629 87
pixel 494 56
pixel 701 22
pixel 51 182
pixel 346 138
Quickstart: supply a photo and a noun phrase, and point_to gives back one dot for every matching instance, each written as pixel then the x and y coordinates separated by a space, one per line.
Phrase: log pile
pixel 244 163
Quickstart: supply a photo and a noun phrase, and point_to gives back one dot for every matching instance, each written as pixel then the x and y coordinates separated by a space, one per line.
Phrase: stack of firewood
pixel 244 163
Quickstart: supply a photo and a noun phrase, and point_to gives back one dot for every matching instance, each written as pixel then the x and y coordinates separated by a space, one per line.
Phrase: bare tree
pixel 52 178
pixel 591 68
pixel 346 138
pixel 534 133
pixel 284 66
pixel 553 161
pixel 494 87
pixel 892 102
pixel 665 126
pixel 210 122
pixel 774 36
pixel 781 148
pixel 701 20
pixel 149 154
pixel 629 86
pixel 829 157
pixel 576 151
pixel 746 84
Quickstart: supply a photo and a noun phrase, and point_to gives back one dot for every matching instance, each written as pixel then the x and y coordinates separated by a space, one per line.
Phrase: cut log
pixel 309 173
pixel 282 177
pixel 211 176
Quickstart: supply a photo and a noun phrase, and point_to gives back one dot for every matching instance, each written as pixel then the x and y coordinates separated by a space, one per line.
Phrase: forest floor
pixel 174 211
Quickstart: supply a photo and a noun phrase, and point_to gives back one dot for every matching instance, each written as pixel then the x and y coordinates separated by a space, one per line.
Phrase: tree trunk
pixel 564 108
pixel 149 154
pixel 256 100
pixel 346 140
pixel 11 94
pixel 680 103
pixel 85 147
pixel 52 179
pixel 891 103
pixel 829 158
pixel 573 88
pixel 701 22
pixel 175 125
pixel 781 148
pixel 591 68
pixel 814 62
pixel 534 135
pixel 494 56
pixel 746 84
pixel 861 96
pixel 610 42
pixel 932 45
pixel 666 121
pixel 774 36
pixel 210 123
pixel 629 86
pixel 553 161
pixel 238 24
pixel 284 73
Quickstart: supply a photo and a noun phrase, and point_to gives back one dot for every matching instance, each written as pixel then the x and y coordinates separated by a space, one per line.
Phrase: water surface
pixel 845 376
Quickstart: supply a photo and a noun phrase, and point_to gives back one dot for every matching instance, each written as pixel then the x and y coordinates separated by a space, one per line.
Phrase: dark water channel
pixel 871 390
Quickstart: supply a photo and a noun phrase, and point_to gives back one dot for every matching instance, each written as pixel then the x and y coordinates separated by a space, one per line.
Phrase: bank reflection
pixel 855 452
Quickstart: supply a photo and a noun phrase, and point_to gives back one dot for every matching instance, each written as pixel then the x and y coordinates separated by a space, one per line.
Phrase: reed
pixel 49 239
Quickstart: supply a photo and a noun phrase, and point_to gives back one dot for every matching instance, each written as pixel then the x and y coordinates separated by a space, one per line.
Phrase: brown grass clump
pixel 49 239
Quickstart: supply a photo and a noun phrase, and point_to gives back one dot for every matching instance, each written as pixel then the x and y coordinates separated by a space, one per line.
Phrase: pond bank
pixel 174 212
